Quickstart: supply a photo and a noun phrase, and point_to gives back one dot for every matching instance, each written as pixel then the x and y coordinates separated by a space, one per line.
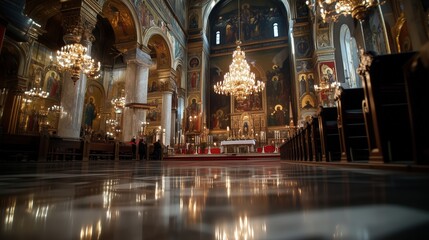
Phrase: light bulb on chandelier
pixel 74 59
pixel 239 81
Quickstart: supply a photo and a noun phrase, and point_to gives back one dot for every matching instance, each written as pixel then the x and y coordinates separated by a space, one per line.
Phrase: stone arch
pixel 19 55
pixel 154 31
pixel 131 20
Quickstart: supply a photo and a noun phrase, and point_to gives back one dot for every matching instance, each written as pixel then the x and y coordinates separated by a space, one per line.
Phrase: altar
pixel 248 143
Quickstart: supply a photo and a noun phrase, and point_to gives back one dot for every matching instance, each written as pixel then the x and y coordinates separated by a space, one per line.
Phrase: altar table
pixel 249 143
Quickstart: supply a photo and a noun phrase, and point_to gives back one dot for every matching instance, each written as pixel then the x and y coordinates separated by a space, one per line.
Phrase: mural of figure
pixel 194 80
pixel 245 129
pixel 216 119
pixel 154 86
pixel 229 33
pixel 194 62
pixel 53 84
pixel 193 23
pixel 302 85
pixel 193 115
pixel 329 76
pixel 90 113
pixel 310 81
pixel 279 115
pixel 307 105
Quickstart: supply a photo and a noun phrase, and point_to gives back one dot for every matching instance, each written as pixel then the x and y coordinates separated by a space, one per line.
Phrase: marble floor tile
pixel 254 199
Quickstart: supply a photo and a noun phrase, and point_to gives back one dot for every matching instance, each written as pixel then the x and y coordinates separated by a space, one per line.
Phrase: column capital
pixel 139 57
pixel 79 19
pixel 168 85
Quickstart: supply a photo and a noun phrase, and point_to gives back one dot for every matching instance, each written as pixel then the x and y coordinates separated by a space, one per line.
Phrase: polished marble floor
pixel 254 199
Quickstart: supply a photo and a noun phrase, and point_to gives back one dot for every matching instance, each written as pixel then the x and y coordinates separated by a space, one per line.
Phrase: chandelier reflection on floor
pixel 239 81
pixel 331 10
pixel 74 59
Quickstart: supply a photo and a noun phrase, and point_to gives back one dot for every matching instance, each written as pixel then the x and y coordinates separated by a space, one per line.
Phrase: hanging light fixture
pixel 331 10
pixel 74 59
pixel 239 81
pixel 119 102
pixel 36 92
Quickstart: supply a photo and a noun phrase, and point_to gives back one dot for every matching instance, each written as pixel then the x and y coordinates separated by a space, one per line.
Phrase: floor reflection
pixel 209 200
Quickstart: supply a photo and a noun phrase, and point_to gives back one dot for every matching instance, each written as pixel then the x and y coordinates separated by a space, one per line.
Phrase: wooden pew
pixel 386 108
pixel 307 142
pixel 351 124
pixel 417 82
pixel 64 149
pixel 101 151
pixel 126 152
pixel 329 135
pixel 316 148
pixel 19 147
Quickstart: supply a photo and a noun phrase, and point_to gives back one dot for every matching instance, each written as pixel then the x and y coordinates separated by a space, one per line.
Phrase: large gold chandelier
pixel 331 10
pixel 74 59
pixel 239 81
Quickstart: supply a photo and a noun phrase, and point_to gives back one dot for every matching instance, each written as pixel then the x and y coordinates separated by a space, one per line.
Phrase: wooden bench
pixel 101 151
pixel 64 149
pixel 329 135
pixel 386 108
pixel 351 124
pixel 126 152
pixel 316 148
pixel 19 147
pixel 417 85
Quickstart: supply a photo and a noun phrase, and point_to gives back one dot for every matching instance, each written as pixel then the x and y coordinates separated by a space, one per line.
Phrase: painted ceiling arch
pixel 210 6
pixel 121 20
pixel 160 52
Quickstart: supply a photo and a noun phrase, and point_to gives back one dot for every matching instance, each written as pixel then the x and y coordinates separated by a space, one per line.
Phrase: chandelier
pixel 36 92
pixel 118 104
pixel 239 81
pixel 331 10
pixel 74 59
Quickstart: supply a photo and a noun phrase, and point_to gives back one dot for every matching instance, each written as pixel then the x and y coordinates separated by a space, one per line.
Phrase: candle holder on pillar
pixel 326 93
pixel 143 126
pixel 209 142
pixel 197 143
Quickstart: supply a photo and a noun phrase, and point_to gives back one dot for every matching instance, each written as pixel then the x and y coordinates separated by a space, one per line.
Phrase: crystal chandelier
pixel 36 92
pixel 331 10
pixel 74 59
pixel 119 102
pixel 239 81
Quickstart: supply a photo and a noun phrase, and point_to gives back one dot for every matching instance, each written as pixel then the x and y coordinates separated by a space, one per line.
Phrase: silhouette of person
pixel 133 147
pixel 142 146
pixel 157 150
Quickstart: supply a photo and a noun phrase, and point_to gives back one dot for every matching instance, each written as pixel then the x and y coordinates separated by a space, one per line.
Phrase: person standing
pixel 133 147
pixel 142 149
pixel 157 150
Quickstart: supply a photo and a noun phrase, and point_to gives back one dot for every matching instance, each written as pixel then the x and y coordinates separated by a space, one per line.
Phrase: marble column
pixel 72 101
pixel 78 23
pixel 136 83
pixel 173 127
pixel 166 116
